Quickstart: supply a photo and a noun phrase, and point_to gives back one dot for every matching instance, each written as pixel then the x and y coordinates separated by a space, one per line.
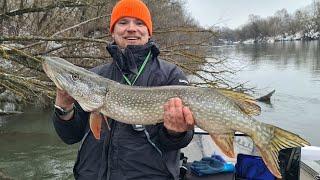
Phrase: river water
pixel 30 149
pixel 292 69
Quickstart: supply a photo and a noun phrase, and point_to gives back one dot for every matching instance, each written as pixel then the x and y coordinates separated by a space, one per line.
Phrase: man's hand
pixel 64 100
pixel 177 118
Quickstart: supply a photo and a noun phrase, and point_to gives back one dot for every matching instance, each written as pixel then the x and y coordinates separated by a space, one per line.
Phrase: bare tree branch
pixel 77 25
pixel 21 58
pixel 59 4
pixel 57 39
pixel 62 28
pixel 27 87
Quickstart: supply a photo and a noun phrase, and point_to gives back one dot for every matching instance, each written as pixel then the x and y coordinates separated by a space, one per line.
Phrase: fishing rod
pixel 199 131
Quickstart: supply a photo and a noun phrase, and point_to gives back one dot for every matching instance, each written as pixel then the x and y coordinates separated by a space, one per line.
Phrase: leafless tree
pixel 305 20
pixel 78 32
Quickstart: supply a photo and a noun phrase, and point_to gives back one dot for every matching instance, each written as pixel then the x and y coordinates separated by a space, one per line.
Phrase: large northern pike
pixel 213 112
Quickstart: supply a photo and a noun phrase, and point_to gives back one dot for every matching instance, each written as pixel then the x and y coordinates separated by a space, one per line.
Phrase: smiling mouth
pixel 132 38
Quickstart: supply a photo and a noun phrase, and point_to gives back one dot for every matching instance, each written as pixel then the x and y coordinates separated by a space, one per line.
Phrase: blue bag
pixel 211 165
pixel 252 168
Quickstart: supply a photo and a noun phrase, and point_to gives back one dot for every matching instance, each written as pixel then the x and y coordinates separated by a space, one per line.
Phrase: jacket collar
pixel 130 58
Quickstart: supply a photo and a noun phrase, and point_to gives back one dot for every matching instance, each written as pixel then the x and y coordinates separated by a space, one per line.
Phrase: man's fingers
pixel 166 115
pixel 177 102
pixel 188 116
pixel 63 94
pixel 166 107
pixel 63 99
pixel 61 91
pixel 178 108
pixel 171 103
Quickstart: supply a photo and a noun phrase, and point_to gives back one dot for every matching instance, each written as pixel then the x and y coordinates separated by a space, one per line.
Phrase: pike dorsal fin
pixel 246 103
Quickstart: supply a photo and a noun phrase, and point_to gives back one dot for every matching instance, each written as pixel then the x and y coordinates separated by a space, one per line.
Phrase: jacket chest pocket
pixel 156 79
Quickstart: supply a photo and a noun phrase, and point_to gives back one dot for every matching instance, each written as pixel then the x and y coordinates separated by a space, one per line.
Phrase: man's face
pixel 130 31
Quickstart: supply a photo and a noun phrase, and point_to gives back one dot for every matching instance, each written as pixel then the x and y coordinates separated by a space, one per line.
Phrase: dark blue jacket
pixel 124 153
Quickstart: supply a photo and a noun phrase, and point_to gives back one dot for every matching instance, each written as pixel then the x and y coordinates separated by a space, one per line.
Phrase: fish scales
pixel 134 105
pixel 220 115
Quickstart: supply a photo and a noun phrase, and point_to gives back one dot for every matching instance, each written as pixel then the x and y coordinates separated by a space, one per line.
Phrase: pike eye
pixel 75 77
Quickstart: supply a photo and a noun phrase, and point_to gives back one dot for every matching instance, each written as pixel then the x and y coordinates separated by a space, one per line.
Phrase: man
pixel 129 151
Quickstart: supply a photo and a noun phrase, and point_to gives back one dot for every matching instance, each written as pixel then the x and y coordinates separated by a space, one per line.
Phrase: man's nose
pixel 132 27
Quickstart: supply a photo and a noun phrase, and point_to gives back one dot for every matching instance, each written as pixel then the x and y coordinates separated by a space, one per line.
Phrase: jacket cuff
pixel 174 137
pixel 70 131
pixel 57 118
pixel 174 142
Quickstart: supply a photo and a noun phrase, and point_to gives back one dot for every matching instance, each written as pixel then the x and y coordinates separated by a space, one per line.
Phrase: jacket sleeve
pixel 169 142
pixel 71 131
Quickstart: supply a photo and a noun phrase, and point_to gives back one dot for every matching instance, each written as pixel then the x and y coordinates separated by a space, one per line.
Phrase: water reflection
pixel 284 54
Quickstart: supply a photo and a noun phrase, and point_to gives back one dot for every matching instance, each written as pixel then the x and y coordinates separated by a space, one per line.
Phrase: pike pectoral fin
pixel 225 143
pixel 95 124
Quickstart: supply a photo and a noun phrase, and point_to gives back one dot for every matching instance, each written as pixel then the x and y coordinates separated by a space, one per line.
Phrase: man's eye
pixel 122 22
pixel 139 23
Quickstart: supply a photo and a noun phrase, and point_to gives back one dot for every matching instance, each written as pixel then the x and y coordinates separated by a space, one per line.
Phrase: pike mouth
pixel 45 67
pixel 51 75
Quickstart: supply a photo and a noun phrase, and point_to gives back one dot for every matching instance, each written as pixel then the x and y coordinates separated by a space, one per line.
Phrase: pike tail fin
pixel 95 124
pixel 281 139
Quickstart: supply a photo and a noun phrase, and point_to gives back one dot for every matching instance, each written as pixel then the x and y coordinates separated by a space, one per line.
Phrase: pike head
pixel 86 87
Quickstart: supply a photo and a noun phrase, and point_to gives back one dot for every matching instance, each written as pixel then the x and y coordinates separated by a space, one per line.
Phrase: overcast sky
pixel 233 13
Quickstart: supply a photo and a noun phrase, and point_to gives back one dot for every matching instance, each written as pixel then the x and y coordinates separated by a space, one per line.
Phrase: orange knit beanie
pixel 131 8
